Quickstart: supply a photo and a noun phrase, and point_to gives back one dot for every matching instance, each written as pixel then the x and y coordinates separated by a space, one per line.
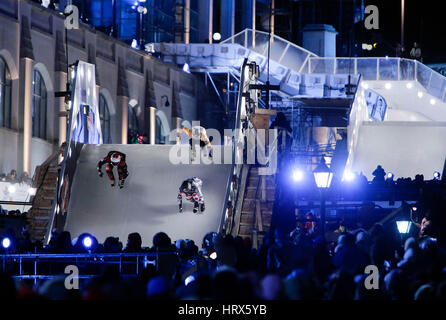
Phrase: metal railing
pixel 382 69
pixel 283 51
pixel 232 188
pixel 78 259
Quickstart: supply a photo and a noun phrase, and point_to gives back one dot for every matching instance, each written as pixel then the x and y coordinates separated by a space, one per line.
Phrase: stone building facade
pixel 135 90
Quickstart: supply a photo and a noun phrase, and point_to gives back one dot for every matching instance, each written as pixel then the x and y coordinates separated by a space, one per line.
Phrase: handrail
pixel 231 40
pixel 234 143
pixel 82 255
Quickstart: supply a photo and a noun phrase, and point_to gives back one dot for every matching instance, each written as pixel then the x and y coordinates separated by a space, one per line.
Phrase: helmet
pixel 186 185
pixel 115 158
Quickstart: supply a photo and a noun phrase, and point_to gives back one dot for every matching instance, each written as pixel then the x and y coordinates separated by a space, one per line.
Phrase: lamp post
pixel 140 8
pixel 323 177
pixel 403 227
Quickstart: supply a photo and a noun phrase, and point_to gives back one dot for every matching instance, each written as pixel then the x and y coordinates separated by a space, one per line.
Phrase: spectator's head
pixel 112 245
pixel 157 288
pixel 362 293
pixel 13 174
pixel 134 242
pixel 54 289
pixel 425 292
pixel 341 286
pixel 208 241
pixel 180 244
pixel 397 285
pixel 225 284
pixel 426 227
pixel 271 287
pixel 299 285
pixel 161 240
pixel 415 44
pixel 345 240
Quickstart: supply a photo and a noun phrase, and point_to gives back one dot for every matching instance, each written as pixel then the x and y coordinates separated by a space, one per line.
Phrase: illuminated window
pixel 5 95
pixel 39 106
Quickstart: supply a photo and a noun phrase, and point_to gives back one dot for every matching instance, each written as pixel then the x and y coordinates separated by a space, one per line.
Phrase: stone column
pixel 186 21
pixel 26 87
pixel 60 68
pixel 152 133
pixel 150 102
pixel 123 101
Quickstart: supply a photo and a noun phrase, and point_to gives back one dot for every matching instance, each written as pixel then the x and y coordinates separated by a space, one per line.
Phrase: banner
pixel 376 105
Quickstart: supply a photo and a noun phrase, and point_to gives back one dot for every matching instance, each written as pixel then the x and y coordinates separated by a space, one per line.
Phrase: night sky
pixel 424 24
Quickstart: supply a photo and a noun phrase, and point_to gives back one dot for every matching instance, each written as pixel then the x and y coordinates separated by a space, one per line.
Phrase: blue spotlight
pixel 349 176
pixel 389 176
pixel 298 175
pixel 87 242
pixel 437 175
pixel 6 243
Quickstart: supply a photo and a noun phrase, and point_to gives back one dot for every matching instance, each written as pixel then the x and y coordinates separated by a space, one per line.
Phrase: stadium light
pixel 388 86
pixel 403 226
pixel 87 242
pixel 298 175
pixel 437 175
pixel 389 176
pixel 349 176
pixel 6 243
pixel 420 94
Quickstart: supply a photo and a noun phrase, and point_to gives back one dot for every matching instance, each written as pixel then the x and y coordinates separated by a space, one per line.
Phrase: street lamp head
pixel 403 226
pixel 323 175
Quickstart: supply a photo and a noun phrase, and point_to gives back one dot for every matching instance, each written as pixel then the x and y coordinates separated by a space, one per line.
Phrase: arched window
pixel 133 122
pixel 39 106
pixel 5 95
pixel 133 130
pixel 104 115
pixel 160 138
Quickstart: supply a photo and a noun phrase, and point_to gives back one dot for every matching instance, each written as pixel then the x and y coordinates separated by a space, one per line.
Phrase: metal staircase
pixel 45 181
pixel 256 210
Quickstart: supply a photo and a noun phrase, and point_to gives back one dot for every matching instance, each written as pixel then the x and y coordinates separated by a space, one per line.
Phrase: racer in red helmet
pixel 114 159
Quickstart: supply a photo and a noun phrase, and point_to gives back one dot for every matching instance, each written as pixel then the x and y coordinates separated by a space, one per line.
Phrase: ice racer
pixel 196 134
pixel 114 159
pixel 191 189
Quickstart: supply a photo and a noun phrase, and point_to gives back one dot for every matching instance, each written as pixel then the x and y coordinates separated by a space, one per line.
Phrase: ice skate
pixel 196 205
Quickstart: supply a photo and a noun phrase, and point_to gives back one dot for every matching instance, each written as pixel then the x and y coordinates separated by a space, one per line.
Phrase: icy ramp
pixel 148 202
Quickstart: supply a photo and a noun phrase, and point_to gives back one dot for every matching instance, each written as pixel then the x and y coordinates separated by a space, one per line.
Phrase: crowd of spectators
pixel 293 266
pixel 12 177
pixel 12 213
